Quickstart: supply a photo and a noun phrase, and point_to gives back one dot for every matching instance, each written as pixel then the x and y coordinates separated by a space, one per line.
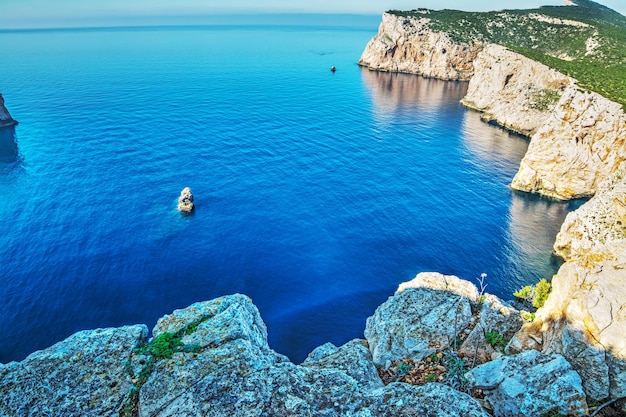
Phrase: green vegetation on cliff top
pixel 586 42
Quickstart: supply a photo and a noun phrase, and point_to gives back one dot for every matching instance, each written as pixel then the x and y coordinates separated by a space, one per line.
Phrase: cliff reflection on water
pixel 519 229
pixel 401 94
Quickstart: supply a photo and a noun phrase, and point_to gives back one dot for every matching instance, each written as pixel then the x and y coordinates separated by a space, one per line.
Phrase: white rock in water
pixel 185 201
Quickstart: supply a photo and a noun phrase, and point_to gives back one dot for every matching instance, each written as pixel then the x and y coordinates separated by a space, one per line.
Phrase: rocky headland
pixel 439 346
pixel 577 137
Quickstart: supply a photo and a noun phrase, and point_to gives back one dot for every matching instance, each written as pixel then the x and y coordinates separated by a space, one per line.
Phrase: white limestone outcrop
pixel 409 45
pixel 512 90
pixel 578 138
pixel 582 142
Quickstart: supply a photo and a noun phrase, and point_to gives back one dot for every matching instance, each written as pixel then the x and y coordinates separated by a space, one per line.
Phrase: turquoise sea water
pixel 317 193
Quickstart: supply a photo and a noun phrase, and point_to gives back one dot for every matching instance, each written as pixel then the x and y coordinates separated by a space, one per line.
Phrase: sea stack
pixel 5 118
pixel 185 201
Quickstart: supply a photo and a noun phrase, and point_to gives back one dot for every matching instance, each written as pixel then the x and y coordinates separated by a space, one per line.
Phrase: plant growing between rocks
pixel 536 295
pixel 159 348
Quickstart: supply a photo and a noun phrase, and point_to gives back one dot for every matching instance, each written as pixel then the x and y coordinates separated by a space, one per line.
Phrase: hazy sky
pixel 56 13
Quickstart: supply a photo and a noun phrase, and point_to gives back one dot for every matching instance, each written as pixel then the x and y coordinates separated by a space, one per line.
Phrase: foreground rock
pixel 5 118
pixel 584 318
pixel 530 384
pixel 83 375
pixel 185 201
pixel 211 359
pixel 430 313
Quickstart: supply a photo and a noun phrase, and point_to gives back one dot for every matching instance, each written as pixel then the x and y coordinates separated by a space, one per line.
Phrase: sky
pixel 80 13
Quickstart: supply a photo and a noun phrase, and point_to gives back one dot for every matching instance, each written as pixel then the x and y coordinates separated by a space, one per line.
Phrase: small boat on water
pixel 333 69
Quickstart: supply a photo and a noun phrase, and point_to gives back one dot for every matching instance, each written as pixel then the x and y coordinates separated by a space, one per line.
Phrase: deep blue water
pixel 317 193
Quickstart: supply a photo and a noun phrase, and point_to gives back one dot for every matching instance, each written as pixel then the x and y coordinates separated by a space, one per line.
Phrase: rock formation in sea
pixel 212 359
pixel 5 118
pixel 185 201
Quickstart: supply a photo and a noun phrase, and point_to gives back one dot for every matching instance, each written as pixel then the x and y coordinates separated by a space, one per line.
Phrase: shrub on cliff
pixel 535 294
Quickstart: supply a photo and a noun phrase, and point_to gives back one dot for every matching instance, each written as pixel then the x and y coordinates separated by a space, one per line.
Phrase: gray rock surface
pixel 530 384
pixel 82 375
pixel 497 317
pixel 235 373
pixel 415 323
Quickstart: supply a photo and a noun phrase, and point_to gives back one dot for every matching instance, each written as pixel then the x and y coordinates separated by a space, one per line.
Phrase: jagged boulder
pixel 530 384
pixel 426 315
pixel 498 319
pixel 415 323
pixel 185 201
pixel 83 375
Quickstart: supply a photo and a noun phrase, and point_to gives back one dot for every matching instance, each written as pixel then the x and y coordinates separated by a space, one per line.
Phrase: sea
pixel 316 192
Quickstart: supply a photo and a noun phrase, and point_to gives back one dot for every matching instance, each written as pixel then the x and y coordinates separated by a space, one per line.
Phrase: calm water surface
pixel 317 193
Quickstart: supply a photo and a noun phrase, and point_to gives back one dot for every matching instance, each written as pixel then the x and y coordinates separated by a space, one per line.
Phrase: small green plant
pixel 431 378
pixel 542 290
pixel 529 316
pixel 164 345
pixel 403 368
pixel 495 339
pixel 535 294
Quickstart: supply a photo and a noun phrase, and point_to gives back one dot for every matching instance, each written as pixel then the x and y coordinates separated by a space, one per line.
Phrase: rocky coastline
pixel 440 346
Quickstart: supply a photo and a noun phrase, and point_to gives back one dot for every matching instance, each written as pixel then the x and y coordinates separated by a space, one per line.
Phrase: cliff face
pixel 407 44
pixel 512 90
pixel 581 144
pixel 577 149
pixel 578 137
pixel 584 317
pixel 5 118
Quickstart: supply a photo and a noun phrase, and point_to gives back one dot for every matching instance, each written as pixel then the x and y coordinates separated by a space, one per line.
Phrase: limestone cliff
pixel 512 90
pixel 578 137
pixel 5 118
pixel 408 44
pixel 582 142
pixel 584 317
